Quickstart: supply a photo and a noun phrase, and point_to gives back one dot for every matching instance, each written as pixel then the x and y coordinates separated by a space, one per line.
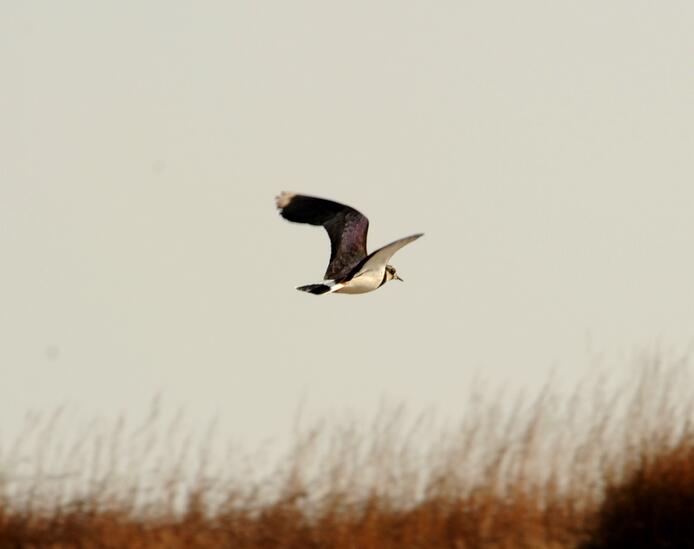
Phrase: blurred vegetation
pixel 607 466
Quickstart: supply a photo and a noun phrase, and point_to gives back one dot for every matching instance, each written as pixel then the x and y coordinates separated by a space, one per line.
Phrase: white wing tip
pixel 284 199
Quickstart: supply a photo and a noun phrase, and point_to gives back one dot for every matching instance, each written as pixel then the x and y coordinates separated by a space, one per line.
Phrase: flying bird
pixel 350 270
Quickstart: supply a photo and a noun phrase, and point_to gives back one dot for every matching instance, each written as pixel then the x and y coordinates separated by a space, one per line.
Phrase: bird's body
pixel 350 270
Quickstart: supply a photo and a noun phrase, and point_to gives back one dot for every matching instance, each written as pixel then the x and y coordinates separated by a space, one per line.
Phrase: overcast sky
pixel 545 148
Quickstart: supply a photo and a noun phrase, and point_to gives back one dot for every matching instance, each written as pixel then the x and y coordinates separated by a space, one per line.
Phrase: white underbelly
pixel 366 282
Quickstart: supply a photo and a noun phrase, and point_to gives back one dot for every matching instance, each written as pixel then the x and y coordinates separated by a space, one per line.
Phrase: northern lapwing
pixel 351 270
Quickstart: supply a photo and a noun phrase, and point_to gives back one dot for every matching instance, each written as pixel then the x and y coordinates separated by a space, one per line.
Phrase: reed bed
pixel 605 466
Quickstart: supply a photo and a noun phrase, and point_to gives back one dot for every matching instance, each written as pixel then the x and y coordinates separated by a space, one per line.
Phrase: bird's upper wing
pixel 377 260
pixel 346 227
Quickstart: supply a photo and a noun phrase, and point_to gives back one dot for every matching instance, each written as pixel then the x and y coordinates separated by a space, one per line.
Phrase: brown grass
pixel 595 469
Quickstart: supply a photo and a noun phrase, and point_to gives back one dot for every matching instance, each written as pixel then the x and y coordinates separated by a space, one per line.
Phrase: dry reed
pixel 596 469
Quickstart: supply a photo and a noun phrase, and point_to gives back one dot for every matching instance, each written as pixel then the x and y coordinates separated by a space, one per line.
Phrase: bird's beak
pixel 398 278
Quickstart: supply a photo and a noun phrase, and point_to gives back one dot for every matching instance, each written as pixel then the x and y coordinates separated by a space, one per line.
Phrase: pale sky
pixel 545 148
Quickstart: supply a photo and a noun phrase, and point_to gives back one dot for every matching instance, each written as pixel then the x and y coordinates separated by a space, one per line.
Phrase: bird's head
pixel 391 274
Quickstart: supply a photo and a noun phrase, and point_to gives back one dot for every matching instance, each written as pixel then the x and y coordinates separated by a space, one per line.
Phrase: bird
pixel 350 270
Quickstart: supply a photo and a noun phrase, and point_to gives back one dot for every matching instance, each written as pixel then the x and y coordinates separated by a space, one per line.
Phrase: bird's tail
pixel 316 289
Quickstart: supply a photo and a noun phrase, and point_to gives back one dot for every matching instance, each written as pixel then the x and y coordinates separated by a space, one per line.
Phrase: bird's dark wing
pixel 347 228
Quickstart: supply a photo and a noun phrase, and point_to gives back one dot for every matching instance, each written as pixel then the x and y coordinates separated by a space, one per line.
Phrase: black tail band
pixel 316 289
